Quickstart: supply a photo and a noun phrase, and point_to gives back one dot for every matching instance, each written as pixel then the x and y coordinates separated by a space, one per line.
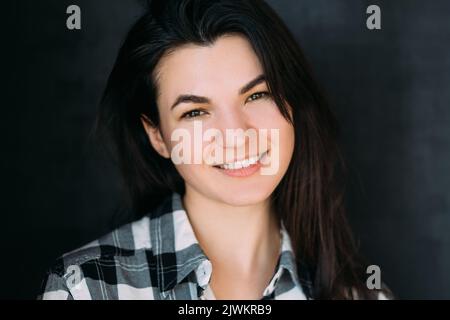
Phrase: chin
pixel 233 191
pixel 243 196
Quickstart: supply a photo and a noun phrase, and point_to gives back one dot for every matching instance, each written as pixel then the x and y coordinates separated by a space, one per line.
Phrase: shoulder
pixel 124 241
pixel 100 263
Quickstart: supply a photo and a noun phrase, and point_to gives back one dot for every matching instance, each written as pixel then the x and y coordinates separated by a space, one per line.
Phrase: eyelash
pixel 262 94
pixel 258 95
pixel 188 115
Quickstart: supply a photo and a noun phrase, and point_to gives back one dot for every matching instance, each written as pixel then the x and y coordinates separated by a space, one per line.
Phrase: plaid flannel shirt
pixel 156 258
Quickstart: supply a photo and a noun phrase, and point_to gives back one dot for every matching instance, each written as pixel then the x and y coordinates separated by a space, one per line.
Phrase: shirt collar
pixel 177 252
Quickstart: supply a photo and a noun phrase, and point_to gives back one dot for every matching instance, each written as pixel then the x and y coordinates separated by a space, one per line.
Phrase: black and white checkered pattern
pixel 157 257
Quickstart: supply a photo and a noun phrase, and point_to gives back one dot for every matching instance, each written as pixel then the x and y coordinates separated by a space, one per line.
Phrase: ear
pixel 156 140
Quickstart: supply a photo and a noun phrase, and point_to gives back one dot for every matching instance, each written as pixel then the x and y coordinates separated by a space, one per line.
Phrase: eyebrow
pixel 189 98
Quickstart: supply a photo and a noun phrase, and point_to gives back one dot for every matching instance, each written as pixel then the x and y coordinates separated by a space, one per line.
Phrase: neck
pixel 239 238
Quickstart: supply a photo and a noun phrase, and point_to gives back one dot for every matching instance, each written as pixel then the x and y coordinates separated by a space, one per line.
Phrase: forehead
pixel 225 66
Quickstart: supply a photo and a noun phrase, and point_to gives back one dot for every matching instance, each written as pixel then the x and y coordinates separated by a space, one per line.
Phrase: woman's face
pixel 206 93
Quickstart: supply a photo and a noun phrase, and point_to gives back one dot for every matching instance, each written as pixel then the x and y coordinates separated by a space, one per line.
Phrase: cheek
pixel 269 117
pixel 282 148
pixel 287 138
pixel 283 145
pixel 184 141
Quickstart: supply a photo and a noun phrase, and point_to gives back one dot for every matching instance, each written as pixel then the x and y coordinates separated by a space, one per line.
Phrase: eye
pixel 193 114
pixel 258 95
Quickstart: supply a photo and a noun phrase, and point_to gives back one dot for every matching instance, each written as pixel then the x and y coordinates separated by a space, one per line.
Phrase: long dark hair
pixel 309 198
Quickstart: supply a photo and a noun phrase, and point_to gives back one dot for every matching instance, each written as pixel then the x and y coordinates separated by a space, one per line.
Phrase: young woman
pixel 221 227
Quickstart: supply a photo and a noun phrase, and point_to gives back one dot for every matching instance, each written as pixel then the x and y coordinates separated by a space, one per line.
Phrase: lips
pixel 242 163
pixel 242 168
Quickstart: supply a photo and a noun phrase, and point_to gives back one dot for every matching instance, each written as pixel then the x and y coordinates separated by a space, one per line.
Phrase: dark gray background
pixel 389 88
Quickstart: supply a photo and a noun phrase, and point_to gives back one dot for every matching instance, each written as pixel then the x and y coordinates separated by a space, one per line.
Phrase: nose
pixel 232 123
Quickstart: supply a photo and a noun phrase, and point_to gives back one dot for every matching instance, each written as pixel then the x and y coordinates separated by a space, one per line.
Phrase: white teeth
pixel 241 164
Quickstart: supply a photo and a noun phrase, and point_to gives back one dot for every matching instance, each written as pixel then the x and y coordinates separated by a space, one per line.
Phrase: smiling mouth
pixel 246 163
